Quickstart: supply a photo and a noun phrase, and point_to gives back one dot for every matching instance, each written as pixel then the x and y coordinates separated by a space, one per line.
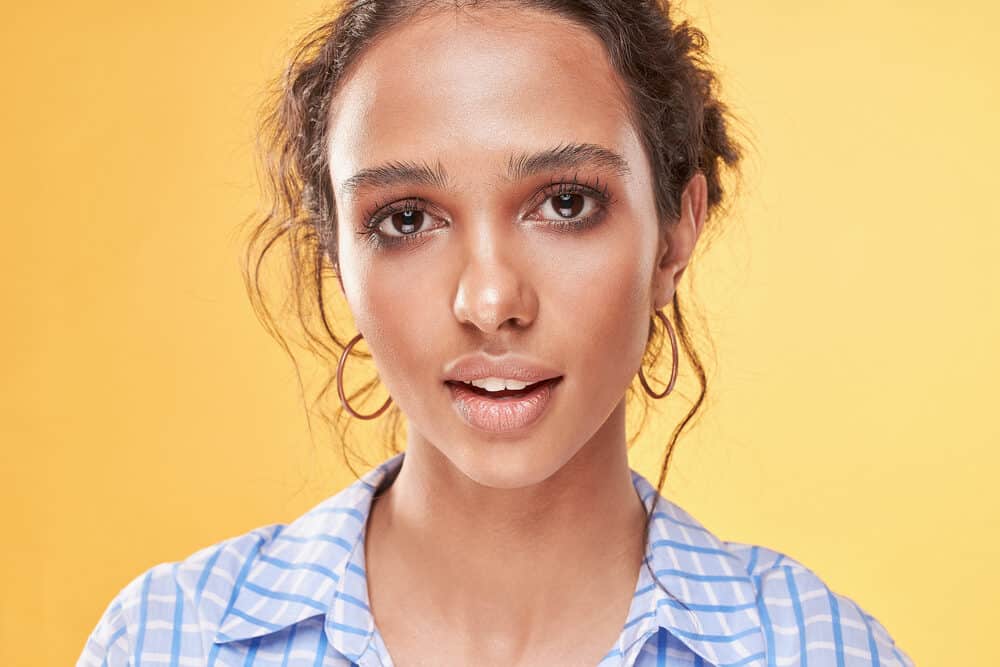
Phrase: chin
pixel 509 464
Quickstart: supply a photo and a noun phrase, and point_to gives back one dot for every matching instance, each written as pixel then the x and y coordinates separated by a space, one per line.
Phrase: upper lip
pixel 477 366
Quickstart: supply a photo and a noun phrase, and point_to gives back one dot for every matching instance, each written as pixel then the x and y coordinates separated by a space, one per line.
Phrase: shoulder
pixel 172 595
pixel 156 610
pixel 802 616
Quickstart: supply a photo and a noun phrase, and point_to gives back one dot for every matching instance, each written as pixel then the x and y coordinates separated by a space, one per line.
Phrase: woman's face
pixel 487 241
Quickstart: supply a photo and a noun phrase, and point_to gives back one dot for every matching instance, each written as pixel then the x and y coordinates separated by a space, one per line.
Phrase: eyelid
pixel 557 185
pixel 603 197
pixel 377 213
pixel 372 220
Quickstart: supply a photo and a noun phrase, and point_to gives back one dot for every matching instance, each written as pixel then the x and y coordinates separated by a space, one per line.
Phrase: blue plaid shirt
pixel 296 595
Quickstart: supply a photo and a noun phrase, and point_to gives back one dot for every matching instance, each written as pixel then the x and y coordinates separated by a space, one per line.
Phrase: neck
pixel 524 552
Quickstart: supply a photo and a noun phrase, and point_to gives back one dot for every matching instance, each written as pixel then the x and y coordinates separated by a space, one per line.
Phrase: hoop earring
pixel 340 385
pixel 673 368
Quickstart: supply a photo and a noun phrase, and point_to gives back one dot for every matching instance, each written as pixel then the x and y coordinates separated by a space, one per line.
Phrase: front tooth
pixel 493 384
pixel 498 384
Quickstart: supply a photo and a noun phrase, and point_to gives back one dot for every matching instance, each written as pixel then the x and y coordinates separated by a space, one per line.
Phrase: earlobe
pixel 664 272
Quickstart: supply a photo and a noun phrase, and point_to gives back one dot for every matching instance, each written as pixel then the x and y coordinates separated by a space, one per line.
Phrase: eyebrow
pixel 519 167
pixel 395 173
pixel 569 156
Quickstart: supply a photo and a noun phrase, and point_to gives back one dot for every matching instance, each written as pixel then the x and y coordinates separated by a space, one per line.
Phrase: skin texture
pixel 499 549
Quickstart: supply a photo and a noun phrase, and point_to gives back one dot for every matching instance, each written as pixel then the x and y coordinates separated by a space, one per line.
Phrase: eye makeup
pixel 562 188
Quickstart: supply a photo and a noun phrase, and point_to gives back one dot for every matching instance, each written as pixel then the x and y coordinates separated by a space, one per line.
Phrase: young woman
pixel 508 194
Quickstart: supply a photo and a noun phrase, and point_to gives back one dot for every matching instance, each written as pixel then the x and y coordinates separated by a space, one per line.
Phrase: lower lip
pixel 502 415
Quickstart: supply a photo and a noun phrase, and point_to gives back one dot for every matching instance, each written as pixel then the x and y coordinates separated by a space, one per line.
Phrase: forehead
pixel 470 88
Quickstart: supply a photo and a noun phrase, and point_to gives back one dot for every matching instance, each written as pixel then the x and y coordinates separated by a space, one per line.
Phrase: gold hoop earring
pixel 673 368
pixel 340 384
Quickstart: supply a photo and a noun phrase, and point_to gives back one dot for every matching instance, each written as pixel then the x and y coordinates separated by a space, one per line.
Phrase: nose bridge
pixel 494 285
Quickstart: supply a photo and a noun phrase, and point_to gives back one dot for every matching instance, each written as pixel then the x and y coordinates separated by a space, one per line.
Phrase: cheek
pixel 390 308
pixel 604 294
pixel 378 292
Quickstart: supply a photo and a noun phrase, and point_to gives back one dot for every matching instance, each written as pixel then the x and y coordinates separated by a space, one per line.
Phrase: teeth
pixel 499 384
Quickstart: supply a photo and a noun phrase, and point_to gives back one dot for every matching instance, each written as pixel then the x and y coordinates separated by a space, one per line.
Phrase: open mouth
pixel 506 393
pixel 502 410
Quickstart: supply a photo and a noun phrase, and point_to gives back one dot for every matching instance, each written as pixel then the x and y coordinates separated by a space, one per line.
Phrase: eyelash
pixel 567 185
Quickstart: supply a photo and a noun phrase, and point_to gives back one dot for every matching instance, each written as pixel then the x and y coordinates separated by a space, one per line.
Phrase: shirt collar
pixel 315 566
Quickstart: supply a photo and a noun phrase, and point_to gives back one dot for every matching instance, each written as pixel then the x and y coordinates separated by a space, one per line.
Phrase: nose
pixel 492 290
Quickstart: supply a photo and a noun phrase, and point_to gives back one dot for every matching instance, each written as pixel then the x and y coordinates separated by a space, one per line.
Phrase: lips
pixel 502 412
pixel 478 365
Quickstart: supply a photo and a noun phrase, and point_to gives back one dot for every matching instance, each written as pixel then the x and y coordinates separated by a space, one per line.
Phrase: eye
pixel 403 223
pixel 568 205
pixel 574 205
pixel 399 222
pixel 565 206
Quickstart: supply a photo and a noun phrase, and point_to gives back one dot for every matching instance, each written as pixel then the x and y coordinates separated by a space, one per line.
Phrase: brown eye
pixel 568 204
pixel 406 222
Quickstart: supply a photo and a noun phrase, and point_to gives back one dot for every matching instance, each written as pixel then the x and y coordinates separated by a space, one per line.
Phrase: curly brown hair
pixel 683 126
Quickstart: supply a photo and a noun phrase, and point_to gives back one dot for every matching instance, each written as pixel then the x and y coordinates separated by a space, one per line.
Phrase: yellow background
pixel 852 422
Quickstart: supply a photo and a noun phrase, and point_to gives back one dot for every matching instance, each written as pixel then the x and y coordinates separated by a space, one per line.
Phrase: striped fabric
pixel 295 595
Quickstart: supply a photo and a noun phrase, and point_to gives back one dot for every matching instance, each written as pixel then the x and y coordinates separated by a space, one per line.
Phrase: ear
pixel 678 240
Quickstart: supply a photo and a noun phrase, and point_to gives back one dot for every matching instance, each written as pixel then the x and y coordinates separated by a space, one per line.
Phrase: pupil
pixel 406 222
pixel 568 204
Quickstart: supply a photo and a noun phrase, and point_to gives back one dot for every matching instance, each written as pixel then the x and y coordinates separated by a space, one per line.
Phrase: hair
pixel 674 105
